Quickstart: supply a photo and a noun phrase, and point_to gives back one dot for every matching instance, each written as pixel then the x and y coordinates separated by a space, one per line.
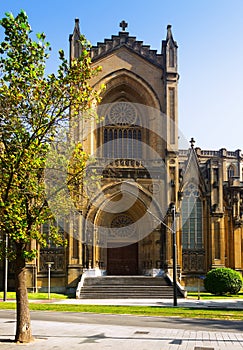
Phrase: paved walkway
pixel 102 336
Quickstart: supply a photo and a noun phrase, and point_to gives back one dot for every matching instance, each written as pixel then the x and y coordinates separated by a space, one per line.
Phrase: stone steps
pixel 129 287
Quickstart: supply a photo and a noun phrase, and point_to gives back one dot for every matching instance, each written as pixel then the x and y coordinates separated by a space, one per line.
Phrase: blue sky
pixel 210 38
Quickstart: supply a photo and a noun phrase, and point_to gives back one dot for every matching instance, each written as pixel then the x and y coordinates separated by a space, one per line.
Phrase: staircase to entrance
pixel 127 287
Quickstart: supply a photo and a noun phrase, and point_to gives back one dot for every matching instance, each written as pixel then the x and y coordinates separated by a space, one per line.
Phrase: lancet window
pixel 192 213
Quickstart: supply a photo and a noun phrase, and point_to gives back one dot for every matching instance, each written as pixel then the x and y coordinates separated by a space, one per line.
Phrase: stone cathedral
pixel 126 227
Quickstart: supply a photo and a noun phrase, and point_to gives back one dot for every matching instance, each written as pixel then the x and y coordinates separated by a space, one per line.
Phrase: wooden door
pixel 123 260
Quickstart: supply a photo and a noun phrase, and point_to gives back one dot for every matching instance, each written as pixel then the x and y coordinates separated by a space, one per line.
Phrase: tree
pixel 32 108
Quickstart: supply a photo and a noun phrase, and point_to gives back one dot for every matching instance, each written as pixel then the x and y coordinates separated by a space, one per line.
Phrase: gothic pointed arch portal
pixel 122 229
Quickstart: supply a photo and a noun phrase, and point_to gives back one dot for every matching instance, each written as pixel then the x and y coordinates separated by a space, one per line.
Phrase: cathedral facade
pixel 127 224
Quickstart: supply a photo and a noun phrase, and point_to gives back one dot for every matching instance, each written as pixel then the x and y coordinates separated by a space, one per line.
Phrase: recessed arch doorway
pixel 122 257
pixel 123 229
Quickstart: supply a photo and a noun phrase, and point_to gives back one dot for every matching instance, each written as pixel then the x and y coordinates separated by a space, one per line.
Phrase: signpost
pixel 49 264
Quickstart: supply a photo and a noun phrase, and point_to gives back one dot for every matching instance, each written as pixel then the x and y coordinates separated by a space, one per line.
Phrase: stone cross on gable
pixel 192 142
pixel 123 25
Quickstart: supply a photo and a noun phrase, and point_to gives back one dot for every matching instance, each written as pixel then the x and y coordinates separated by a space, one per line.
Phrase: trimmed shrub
pixel 223 281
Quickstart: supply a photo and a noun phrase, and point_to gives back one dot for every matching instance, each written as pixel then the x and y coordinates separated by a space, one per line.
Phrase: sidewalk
pixel 61 336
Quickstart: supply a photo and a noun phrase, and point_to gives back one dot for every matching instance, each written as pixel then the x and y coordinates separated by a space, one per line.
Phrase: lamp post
pixel 49 263
pixel 5 269
pixel 173 212
pixel 174 250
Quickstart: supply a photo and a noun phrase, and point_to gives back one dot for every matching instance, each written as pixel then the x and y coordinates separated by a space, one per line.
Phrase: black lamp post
pixel 174 250
pixel 5 269
pixel 174 255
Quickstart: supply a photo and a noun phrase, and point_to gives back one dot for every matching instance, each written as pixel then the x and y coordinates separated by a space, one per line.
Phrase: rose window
pixel 123 226
pixel 122 113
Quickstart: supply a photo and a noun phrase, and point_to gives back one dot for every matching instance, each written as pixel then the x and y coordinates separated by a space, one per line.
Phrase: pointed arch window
pixel 122 136
pixel 192 224
pixel 231 171
pixel 46 231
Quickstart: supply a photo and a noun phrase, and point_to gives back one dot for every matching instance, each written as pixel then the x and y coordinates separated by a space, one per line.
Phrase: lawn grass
pixel 190 295
pixel 182 312
pixel 207 296
pixel 35 296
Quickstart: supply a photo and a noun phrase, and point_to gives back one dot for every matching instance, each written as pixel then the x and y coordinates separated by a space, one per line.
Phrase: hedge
pixel 222 281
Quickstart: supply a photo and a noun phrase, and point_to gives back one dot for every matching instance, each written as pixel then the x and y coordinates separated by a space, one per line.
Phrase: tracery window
pixel 192 226
pixel 122 226
pixel 231 172
pixel 52 252
pixel 46 230
pixel 122 137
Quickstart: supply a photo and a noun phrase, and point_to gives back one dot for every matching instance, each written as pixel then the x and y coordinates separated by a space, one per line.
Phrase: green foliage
pixel 32 107
pixel 222 281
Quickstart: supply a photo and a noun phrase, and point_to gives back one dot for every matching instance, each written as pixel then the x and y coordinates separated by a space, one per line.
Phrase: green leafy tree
pixel 32 107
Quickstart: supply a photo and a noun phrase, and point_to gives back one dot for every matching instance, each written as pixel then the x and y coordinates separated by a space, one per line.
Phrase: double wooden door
pixel 123 260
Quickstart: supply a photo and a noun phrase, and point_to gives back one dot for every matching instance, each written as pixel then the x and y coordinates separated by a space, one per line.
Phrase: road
pixel 133 321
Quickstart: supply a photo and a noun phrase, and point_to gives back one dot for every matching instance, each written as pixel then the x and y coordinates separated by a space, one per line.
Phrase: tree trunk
pixel 23 327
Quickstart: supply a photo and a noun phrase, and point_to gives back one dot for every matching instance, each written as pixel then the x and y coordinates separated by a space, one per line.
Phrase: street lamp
pixel 5 269
pixel 174 250
pixel 173 212
pixel 49 263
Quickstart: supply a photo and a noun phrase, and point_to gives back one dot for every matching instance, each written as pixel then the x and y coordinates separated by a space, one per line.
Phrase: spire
pixel 77 28
pixel 169 51
pixel 76 31
pixel 169 33
pixel 74 39
pixel 169 37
